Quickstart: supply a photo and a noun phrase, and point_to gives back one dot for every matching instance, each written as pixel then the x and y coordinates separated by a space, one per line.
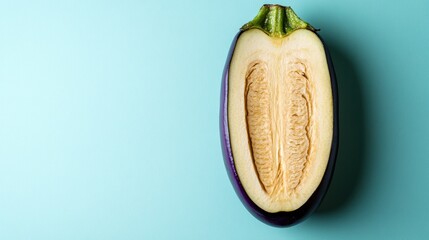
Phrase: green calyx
pixel 277 21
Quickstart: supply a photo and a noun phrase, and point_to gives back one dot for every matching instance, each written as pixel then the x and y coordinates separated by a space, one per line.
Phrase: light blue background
pixel 109 120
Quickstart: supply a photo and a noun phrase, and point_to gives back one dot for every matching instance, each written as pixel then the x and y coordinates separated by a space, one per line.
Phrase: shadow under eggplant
pixel 350 165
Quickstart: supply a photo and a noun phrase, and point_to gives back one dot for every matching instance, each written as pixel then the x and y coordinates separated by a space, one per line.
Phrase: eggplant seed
pixel 278 117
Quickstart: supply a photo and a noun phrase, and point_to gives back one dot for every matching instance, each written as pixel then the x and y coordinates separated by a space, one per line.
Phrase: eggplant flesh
pixel 279 119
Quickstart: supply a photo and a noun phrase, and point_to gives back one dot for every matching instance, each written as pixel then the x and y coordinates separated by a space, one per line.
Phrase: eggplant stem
pixel 277 21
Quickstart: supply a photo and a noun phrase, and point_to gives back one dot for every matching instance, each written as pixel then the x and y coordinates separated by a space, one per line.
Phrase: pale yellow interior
pixel 280 115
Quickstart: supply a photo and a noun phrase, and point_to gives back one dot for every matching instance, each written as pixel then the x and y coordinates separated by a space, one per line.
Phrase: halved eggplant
pixel 279 116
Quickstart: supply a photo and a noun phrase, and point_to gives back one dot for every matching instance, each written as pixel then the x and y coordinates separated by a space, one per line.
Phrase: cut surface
pixel 280 116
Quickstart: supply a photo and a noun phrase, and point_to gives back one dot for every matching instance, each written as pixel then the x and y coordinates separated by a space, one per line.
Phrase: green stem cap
pixel 277 21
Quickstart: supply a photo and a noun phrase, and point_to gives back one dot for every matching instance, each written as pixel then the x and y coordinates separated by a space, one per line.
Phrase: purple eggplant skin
pixel 279 219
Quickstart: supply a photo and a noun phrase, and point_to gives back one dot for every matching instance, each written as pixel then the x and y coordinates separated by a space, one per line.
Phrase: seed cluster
pixel 278 114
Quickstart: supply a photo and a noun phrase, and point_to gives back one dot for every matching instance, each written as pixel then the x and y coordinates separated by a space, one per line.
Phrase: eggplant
pixel 279 117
